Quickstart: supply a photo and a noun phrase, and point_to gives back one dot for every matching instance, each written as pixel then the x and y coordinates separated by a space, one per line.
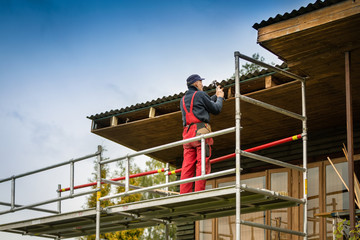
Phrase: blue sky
pixel 63 60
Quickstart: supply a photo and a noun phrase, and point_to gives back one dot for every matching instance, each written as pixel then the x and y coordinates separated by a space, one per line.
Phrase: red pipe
pixel 115 179
pixel 215 160
pixel 254 149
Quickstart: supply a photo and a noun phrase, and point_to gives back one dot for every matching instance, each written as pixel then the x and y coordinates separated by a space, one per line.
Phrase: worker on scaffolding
pixel 196 107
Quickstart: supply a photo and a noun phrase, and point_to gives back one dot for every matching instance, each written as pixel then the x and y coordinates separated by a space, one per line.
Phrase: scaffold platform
pixel 207 204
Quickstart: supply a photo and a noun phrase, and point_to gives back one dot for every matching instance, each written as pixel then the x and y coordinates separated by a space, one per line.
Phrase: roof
pixel 295 13
pixel 176 97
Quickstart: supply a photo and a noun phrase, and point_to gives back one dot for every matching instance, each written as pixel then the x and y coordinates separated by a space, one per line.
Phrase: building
pixel 312 41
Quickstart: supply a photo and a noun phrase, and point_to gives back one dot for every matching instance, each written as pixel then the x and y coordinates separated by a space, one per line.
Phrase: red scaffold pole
pixel 115 179
pixel 254 149
pixel 215 160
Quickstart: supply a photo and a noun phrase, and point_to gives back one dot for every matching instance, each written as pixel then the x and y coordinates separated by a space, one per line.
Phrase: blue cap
pixel 193 78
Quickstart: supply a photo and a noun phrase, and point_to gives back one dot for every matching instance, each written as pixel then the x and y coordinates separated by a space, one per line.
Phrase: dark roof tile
pixel 165 99
pixel 295 13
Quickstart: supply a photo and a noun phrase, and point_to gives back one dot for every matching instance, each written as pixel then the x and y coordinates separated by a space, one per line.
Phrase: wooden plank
pixel 325 214
pixel 309 20
pixel 230 95
pixel 113 121
pixel 270 81
pixel 152 112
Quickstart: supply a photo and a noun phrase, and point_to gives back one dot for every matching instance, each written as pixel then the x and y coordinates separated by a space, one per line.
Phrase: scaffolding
pixel 172 208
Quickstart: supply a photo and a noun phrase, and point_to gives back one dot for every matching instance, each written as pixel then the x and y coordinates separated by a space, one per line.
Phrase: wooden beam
pixel 152 112
pixel 93 125
pixel 113 121
pixel 350 140
pixel 309 20
pixel 269 82
pixel 229 95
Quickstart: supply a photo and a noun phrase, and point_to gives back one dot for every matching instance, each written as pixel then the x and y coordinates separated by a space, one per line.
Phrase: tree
pixel 150 233
pixel 158 231
pixel 133 234
pixel 248 68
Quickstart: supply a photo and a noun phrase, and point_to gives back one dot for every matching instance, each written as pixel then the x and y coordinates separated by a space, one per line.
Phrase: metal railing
pixel 16 207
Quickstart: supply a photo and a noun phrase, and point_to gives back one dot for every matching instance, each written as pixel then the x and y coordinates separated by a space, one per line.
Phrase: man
pixel 196 107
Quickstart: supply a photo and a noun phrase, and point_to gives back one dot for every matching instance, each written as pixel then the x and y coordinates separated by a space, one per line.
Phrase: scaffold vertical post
pixel 98 194
pixel 167 231
pixel 304 139
pixel 12 192
pixel 237 143
pixel 127 174
pixel 167 176
pixel 203 161
pixel 167 180
pixel 72 172
pixel 59 196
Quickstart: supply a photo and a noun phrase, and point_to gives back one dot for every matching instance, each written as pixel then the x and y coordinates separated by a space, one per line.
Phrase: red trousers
pixel 192 164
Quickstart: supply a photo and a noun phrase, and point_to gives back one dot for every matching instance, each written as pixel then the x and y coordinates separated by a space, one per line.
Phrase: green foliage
pixel 248 68
pixel 341 232
pixel 151 233
pixel 105 189
pixel 133 234
pixel 156 232
pixel 133 181
pixel 155 179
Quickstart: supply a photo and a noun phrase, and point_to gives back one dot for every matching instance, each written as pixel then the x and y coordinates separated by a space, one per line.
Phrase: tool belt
pixel 199 129
pixel 202 128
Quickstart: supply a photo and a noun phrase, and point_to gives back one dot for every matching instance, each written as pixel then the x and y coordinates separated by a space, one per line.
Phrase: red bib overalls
pixel 192 152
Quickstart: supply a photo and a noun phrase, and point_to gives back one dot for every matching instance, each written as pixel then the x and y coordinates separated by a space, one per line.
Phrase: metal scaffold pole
pixel 237 144
pixel 304 139
pixel 98 194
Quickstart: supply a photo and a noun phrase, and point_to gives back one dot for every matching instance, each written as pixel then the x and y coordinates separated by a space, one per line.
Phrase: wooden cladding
pixel 309 20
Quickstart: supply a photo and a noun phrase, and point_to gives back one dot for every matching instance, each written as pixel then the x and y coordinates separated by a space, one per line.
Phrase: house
pixel 319 41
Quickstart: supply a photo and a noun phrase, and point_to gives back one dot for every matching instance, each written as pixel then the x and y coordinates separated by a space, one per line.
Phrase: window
pixel 279 217
pixel 313 203
pixel 226 225
pixel 337 197
pixel 206 226
pixel 224 228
